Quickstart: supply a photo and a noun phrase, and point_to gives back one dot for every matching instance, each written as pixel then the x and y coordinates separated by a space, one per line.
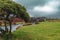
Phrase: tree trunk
pixel 6 29
pixel 10 26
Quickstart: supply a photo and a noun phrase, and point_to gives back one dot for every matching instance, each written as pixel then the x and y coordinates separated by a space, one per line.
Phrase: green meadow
pixel 41 31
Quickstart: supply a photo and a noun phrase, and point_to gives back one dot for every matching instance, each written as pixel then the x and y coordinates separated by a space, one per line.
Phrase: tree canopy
pixel 10 7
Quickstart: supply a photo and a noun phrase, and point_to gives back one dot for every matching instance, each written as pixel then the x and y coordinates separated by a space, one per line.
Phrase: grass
pixel 41 31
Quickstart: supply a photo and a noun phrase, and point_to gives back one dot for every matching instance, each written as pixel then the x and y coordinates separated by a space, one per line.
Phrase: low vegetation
pixel 41 31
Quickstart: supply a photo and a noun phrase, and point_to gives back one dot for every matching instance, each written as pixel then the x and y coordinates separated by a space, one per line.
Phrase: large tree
pixel 9 7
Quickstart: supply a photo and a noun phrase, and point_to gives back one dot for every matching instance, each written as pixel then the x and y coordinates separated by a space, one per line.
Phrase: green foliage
pixel 9 7
pixel 42 31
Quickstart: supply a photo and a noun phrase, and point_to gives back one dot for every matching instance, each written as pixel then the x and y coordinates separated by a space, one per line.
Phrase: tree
pixel 8 7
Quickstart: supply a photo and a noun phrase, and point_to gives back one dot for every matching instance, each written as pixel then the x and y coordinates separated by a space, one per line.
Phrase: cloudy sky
pixel 39 8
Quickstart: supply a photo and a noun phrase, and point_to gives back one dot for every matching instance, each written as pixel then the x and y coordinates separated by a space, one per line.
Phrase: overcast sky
pixel 39 8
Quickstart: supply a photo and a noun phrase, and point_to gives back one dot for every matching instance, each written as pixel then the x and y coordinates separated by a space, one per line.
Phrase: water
pixel 13 27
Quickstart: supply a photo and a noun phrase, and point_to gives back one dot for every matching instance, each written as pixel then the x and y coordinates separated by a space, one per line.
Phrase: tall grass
pixel 41 31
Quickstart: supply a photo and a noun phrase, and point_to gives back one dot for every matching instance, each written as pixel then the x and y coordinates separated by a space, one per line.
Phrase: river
pixel 13 27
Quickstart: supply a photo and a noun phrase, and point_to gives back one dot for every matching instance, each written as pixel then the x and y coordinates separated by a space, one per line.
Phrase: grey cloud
pixel 30 4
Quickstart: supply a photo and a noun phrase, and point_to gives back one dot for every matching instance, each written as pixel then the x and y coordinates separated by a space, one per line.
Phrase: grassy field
pixel 41 31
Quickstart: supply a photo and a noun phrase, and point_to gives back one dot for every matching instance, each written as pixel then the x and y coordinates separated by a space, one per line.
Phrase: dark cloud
pixel 30 4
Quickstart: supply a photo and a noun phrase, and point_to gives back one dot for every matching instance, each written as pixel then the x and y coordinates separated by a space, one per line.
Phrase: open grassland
pixel 41 31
